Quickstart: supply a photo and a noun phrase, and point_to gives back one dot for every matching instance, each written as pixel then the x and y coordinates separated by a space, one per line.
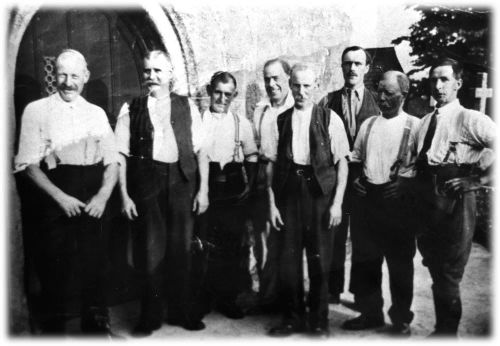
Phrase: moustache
pixel 66 87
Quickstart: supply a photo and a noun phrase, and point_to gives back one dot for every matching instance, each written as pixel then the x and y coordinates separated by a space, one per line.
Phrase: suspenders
pixel 237 143
pixel 403 145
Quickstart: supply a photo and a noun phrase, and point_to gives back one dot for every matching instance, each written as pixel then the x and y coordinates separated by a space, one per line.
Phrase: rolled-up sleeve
pixel 109 148
pixel 122 131
pixel 269 142
pixel 31 145
pixel 338 138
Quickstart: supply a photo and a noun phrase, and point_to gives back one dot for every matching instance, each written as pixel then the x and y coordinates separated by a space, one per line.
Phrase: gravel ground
pixel 475 324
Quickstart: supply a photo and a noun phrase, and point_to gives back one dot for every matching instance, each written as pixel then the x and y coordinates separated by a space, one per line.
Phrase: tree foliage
pixel 462 33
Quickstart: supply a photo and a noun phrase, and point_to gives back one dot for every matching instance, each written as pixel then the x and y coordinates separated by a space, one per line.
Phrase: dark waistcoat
pixel 142 132
pixel 322 163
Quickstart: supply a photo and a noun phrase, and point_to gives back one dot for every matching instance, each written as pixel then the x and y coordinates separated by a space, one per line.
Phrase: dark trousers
pixel 225 273
pixel 223 229
pixel 336 280
pixel 305 212
pixel 265 249
pixel 445 244
pixel 71 251
pixel 162 240
pixel 385 233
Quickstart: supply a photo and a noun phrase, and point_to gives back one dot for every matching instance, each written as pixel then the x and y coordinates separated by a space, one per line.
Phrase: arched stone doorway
pixel 113 41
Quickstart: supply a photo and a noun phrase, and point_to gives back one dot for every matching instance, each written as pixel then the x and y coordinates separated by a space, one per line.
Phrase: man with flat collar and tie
pixel 279 98
pixel 306 184
pixel 354 103
pixel 451 141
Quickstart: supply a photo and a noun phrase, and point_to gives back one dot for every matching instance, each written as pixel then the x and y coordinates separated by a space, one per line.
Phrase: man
pixel 383 165
pixel 232 153
pixel 159 137
pixel 354 103
pixel 67 149
pixel 450 143
pixel 279 98
pixel 308 177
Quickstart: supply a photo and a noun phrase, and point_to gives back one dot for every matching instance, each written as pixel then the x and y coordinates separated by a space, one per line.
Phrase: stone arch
pixel 173 34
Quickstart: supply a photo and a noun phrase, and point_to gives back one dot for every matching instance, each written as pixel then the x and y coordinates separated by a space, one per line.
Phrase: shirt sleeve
pixel 338 139
pixel 270 143
pixel 482 130
pixel 248 140
pixel 122 131
pixel 108 141
pixel 31 146
pixel 359 144
pixel 197 131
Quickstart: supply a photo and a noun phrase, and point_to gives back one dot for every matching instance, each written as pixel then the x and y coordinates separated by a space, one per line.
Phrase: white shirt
pixel 219 143
pixel 301 123
pixel 265 125
pixel 383 146
pixel 164 143
pixel 60 132
pixel 473 135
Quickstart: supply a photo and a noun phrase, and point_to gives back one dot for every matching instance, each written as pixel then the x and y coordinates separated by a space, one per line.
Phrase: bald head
pixel 392 91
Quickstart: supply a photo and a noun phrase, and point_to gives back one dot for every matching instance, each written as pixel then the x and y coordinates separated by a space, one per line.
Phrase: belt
pixel 302 170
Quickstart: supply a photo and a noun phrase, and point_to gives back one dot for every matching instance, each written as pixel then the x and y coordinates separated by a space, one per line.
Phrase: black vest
pixel 141 133
pixel 322 163
pixel 368 108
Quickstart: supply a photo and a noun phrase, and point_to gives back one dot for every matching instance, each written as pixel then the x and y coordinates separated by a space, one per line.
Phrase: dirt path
pixel 476 296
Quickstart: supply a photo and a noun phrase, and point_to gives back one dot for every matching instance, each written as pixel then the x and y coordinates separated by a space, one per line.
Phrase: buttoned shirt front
pixel 266 126
pixel 65 133
pixel 383 145
pixel 354 106
pixel 220 138
pixel 467 138
pixel 164 143
pixel 301 123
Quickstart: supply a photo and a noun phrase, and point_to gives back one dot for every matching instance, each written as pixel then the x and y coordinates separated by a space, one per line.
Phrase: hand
pixel 275 217
pixel 70 205
pixel 460 185
pixel 128 208
pixel 393 190
pixel 359 188
pixel 335 216
pixel 200 204
pixel 95 207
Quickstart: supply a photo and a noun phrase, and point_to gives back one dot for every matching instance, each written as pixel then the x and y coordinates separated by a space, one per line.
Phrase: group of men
pixel 304 173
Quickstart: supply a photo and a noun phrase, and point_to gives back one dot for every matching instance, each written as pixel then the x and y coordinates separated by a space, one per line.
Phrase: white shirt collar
pixel 448 108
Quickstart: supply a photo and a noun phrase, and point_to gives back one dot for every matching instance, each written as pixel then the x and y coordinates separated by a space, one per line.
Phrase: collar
pixel 76 103
pixel 218 116
pixel 450 108
pixel 358 91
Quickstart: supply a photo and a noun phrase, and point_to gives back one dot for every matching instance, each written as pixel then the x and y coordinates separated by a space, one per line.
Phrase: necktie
pixel 352 117
pixel 431 130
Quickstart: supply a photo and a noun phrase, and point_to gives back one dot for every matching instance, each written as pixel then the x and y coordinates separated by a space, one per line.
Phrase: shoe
pixel 96 326
pixel 145 328
pixel 285 329
pixel 363 322
pixel 400 329
pixel 192 325
pixel 320 332
pixel 231 311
